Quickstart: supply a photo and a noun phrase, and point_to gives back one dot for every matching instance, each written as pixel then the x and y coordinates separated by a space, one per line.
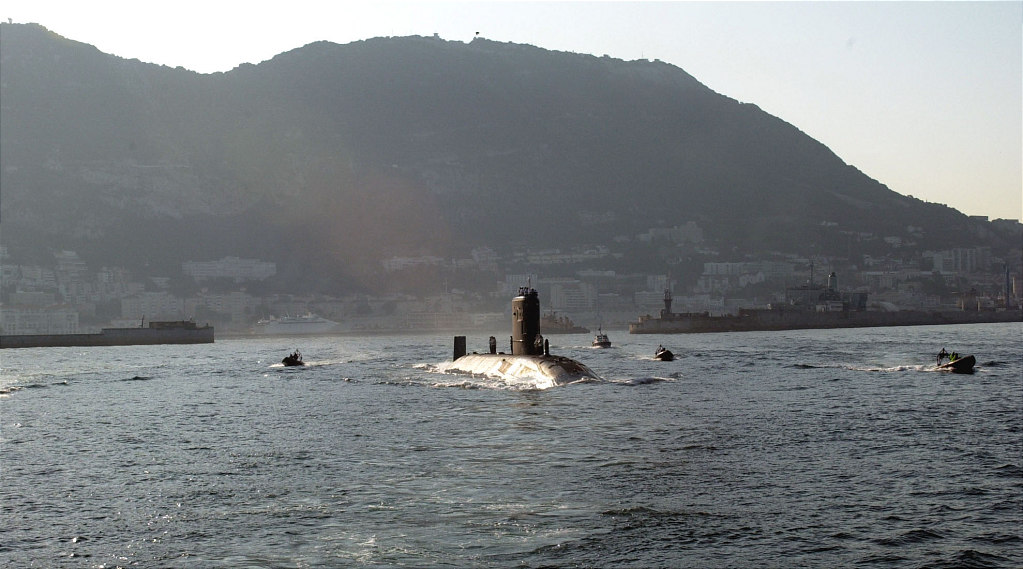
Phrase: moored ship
pixel 823 307
pixel 551 323
pixel 749 320
pixel 158 332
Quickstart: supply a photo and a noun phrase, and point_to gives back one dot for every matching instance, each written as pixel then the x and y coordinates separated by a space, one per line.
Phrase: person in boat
pixel 942 355
pixel 953 357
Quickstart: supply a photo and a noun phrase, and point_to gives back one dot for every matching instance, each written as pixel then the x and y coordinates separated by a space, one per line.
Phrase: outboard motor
pixel 526 323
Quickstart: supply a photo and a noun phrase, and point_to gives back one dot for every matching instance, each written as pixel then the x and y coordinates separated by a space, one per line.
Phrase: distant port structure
pixel 809 306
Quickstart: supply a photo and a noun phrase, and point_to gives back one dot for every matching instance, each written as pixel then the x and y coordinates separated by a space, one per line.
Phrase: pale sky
pixel 925 97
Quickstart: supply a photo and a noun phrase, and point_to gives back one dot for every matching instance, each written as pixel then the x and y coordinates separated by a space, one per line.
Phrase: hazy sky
pixel 923 96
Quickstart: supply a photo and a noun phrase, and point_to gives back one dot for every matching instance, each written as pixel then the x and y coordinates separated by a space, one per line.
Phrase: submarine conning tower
pixel 526 323
pixel 530 359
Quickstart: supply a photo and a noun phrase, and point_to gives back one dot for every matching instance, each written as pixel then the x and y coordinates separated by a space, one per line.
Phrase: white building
pixel 34 320
pixel 153 306
pixel 570 295
pixel 239 270
pixel 241 306
pixel 401 263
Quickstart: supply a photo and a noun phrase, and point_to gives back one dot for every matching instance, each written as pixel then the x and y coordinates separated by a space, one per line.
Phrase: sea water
pixel 832 448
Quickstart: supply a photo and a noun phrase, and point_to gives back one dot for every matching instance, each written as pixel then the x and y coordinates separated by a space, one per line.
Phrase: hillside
pixel 329 157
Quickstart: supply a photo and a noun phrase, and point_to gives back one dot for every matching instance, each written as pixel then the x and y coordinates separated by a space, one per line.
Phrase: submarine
pixel 530 361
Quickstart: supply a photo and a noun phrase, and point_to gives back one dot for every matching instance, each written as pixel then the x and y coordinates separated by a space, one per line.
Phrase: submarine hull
pixel 539 371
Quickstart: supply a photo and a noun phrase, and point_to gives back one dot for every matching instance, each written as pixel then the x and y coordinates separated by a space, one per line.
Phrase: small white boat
pixel 293 325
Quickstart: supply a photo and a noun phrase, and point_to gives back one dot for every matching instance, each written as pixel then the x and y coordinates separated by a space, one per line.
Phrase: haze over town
pixel 372 182
pixel 922 96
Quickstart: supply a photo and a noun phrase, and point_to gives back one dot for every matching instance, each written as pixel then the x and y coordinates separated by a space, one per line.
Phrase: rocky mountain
pixel 330 157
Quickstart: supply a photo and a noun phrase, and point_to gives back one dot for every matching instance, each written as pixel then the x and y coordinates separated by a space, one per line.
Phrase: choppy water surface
pixel 783 449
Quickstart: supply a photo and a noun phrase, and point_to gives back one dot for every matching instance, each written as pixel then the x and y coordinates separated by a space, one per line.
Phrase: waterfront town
pixel 591 286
